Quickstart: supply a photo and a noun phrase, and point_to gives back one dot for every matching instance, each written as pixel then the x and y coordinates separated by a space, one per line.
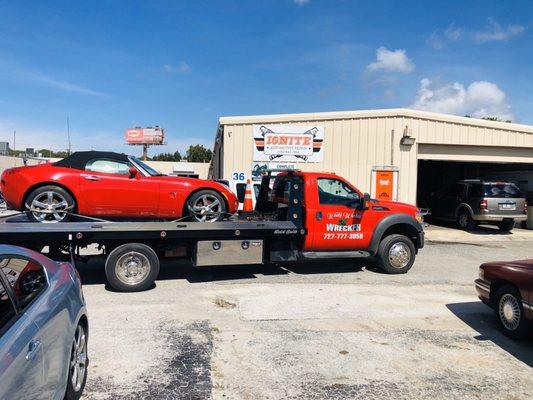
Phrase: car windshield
pixel 502 190
pixel 146 167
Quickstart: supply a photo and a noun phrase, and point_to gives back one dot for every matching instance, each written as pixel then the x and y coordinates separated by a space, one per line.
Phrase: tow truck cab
pixel 340 221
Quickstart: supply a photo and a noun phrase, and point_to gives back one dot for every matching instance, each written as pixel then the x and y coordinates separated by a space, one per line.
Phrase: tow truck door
pixel 336 221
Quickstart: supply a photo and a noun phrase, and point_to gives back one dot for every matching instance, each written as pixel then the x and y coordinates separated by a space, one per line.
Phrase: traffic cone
pixel 248 204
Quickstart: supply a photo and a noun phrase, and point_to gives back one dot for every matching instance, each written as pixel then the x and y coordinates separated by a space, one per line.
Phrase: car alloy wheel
pixel 207 208
pixel 399 255
pixel 49 206
pixel 509 311
pixel 78 359
pixel 132 268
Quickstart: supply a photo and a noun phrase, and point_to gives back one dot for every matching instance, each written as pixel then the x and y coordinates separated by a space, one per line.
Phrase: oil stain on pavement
pixel 184 371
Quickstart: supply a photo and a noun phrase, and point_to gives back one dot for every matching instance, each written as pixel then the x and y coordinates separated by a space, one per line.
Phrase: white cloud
pixel 392 61
pixel 12 72
pixel 495 32
pixel 182 68
pixel 438 41
pixel 453 33
pixel 300 2
pixel 479 99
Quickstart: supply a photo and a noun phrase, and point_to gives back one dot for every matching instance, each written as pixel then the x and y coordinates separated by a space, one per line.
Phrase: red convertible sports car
pixel 112 185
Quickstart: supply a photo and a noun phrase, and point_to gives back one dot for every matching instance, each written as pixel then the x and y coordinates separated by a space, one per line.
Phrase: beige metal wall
pixel 354 142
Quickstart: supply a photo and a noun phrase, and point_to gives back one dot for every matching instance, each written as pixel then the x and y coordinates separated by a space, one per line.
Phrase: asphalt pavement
pixel 317 331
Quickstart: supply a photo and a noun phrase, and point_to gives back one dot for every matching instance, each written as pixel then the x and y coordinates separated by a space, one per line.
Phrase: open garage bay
pixel 317 331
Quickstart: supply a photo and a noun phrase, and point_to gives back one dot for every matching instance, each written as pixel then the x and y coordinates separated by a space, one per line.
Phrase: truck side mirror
pixel 364 200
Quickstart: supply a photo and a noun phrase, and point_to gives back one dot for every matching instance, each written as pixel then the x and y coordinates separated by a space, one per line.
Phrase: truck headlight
pixel 419 217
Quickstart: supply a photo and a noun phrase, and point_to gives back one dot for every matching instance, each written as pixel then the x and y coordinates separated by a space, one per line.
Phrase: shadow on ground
pixel 481 318
pixel 93 273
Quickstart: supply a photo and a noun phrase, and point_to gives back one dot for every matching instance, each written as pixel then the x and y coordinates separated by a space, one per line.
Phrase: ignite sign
pixel 288 143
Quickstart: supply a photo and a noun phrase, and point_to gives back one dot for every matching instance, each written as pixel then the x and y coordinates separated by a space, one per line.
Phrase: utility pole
pixel 68 136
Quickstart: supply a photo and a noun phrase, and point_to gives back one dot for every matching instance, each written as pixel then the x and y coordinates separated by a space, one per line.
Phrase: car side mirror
pixel 364 201
pixel 134 173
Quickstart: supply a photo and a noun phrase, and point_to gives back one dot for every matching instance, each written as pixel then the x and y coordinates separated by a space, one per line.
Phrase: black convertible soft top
pixel 79 159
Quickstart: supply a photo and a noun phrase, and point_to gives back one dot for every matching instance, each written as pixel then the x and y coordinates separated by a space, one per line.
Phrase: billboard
pixel 145 135
pixel 288 143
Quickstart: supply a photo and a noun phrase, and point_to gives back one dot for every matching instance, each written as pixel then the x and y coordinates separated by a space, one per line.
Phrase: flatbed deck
pixel 19 230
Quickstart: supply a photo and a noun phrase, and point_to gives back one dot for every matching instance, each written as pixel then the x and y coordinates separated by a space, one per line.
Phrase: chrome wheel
pixel 78 359
pixel 49 206
pixel 207 208
pixel 132 268
pixel 399 255
pixel 509 311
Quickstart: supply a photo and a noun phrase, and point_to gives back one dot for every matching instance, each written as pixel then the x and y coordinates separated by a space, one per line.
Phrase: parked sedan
pixel 111 185
pixel 507 287
pixel 43 327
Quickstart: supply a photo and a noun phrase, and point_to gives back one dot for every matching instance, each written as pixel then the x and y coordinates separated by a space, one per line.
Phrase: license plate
pixel 507 206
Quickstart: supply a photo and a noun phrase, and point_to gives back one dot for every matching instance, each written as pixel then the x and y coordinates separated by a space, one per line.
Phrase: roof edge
pixel 387 112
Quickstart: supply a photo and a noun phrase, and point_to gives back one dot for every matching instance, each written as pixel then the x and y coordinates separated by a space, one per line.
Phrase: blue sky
pixel 109 65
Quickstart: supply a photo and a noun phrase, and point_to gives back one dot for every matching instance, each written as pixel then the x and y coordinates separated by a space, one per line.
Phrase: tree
pixel 198 153
pixel 176 156
pixel 492 119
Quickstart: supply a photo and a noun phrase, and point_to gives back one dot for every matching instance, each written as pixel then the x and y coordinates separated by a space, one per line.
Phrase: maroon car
pixel 507 287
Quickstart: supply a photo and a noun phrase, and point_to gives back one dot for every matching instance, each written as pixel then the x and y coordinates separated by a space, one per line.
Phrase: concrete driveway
pixel 339 331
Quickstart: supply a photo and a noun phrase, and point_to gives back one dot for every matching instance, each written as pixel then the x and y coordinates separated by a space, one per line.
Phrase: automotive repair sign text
pixel 288 143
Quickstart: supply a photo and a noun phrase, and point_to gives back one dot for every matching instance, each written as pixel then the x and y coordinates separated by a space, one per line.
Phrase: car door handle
pixel 33 349
pixel 91 177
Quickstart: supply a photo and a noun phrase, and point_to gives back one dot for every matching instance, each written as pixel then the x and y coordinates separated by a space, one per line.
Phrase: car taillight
pixel 483 205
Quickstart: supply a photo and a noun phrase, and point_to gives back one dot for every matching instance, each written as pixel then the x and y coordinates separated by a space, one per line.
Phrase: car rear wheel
pixel 506 225
pixel 206 206
pixel 510 312
pixel 49 204
pixel 465 221
pixel 132 267
pixel 396 254
pixel 78 362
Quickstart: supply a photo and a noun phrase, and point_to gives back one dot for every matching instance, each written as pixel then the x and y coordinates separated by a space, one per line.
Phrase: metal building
pixel 392 153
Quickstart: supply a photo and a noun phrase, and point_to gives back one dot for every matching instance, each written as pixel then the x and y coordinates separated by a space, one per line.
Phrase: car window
pixel 7 311
pixel 108 167
pixel 475 191
pixel 26 277
pixel 457 189
pixel 335 191
pixel 502 190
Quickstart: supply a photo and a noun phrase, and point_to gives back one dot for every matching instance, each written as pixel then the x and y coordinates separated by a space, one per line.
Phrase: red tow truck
pixel 298 217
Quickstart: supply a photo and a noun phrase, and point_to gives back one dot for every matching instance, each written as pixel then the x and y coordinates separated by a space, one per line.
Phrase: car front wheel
pixel 206 206
pixel 78 362
pixel 49 204
pixel 510 312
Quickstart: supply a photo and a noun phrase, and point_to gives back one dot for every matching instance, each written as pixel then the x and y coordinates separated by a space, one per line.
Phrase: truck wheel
pixel 132 267
pixel 396 254
pixel 510 312
pixel 506 225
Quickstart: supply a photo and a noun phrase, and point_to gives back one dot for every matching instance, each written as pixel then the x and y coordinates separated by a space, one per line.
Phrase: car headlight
pixel 419 217
pixel 482 274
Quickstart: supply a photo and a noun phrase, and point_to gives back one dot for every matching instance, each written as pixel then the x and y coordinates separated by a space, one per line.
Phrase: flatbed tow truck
pixel 299 216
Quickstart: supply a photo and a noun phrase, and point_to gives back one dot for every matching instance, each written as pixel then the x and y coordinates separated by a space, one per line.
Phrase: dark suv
pixel 472 202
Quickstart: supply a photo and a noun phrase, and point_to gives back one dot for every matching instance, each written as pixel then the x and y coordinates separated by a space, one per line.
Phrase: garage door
pixel 493 154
